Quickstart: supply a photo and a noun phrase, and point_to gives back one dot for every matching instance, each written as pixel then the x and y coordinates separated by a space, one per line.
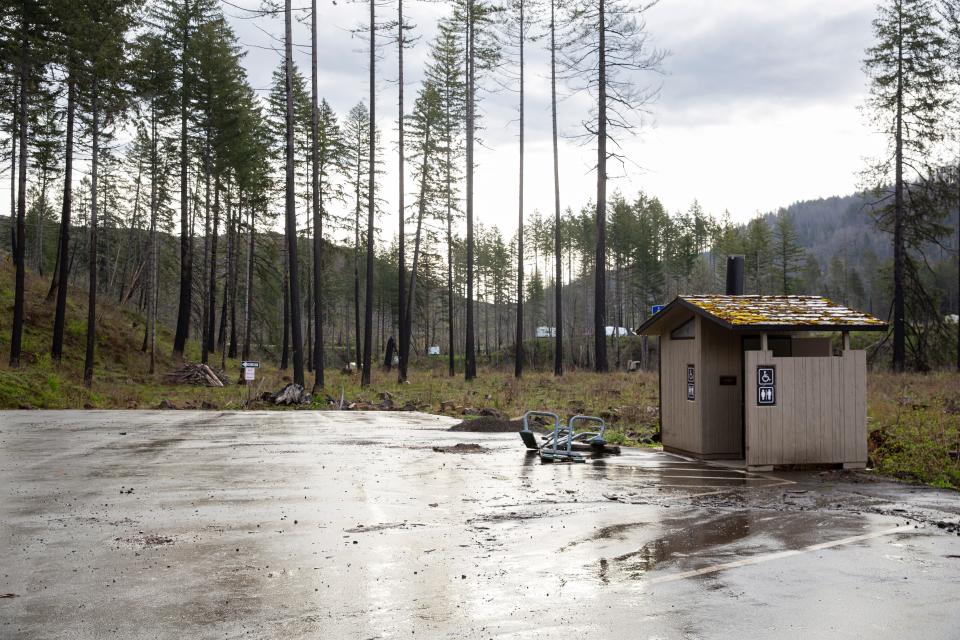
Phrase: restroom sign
pixel 691 383
pixel 766 386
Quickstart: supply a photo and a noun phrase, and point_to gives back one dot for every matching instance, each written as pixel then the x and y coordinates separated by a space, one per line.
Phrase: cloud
pixel 758 104
pixel 740 55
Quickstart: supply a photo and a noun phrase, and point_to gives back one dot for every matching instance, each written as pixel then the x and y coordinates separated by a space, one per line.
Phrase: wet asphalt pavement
pixel 148 524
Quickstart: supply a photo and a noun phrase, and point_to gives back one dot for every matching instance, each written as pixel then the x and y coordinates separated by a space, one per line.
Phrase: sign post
pixel 249 375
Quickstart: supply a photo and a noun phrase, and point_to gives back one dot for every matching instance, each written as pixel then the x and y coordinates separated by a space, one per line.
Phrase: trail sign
pixel 766 386
pixel 249 373
pixel 250 364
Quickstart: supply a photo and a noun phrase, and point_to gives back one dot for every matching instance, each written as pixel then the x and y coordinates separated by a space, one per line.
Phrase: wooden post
pixel 846 341
pixel 763 342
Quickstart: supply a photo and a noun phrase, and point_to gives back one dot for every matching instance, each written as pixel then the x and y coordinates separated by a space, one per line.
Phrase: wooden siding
pixel 820 416
pixel 721 404
pixel 680 418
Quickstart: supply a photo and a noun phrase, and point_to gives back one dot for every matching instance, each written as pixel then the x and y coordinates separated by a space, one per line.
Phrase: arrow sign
pixel 250 364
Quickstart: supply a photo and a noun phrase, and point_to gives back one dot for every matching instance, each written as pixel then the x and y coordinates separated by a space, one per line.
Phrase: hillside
pixel 121 377
pixel 838 225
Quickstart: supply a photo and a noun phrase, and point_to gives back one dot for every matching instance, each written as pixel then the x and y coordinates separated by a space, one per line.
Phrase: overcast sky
pixel 758 106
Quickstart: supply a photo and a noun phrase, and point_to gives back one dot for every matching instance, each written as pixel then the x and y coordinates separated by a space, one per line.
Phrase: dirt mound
pixel 462 447
pixel 488 424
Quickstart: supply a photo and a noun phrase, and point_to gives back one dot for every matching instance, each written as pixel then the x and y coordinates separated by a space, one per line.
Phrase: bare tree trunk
pixel 228 266
pixel 21 233
pixel 63 255
pixel 371 199
pixel 152 258
pixel 309 274
pixel 470 357
pixel 41 209
pixel 619 284
pixel 356 278
pixel 14 134
pixel 222 337
pixel 403 315
pixel 899 310
pixel 206 303
pixel 448 128
pixel 558 278
pixel 212 304
pixel 247 319
pixel 518 359
pixel 451 346
pixel 92 289
pixel 317 215
pixel 293 265
pixel 285 350
pixel 600 275
pixel 237 223
pixel 186 247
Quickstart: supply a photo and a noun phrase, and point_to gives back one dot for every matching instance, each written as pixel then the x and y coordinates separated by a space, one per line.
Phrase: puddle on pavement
pixel 697 541
pixel 677 475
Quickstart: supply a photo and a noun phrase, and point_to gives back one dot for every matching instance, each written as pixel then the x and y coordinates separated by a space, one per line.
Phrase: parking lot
pixel 157 524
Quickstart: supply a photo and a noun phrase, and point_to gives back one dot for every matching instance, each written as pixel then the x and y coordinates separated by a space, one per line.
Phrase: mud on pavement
pixel 388 525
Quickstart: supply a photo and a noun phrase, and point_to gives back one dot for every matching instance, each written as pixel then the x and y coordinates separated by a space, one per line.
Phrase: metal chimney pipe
pixel 734 275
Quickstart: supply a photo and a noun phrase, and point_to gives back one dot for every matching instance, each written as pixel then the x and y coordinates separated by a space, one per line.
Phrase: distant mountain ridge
pixel 838 225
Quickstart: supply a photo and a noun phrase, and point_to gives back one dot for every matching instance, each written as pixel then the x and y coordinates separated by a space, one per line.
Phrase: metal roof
pixel 784 313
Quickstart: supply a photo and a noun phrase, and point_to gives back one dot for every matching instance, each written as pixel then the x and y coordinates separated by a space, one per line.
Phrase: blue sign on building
pixel 655 309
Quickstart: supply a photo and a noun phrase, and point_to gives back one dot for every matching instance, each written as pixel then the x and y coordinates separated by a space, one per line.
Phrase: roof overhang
pixel 653 324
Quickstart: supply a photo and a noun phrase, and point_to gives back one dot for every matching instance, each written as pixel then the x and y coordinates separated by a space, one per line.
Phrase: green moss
pixel 77 327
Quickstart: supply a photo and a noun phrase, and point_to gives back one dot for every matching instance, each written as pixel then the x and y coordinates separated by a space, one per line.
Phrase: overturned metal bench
pixel 564 444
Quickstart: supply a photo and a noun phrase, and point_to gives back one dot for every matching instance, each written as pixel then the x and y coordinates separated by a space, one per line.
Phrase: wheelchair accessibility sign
pixel 766 386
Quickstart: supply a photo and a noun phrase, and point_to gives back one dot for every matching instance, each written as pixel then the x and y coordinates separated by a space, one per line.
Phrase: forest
pixel 145 172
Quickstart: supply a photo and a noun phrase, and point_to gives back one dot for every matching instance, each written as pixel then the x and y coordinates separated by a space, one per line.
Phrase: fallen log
pixel 291 394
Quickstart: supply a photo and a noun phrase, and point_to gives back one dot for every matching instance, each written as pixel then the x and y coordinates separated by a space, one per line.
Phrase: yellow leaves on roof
pixel 810 311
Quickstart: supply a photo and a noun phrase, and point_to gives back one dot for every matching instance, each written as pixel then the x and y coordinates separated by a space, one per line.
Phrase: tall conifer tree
pixel 906 67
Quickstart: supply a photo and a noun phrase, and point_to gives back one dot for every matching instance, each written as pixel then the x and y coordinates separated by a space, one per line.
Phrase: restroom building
pixel 761 379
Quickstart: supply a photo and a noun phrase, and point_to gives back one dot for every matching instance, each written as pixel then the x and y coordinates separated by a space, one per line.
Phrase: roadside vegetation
pixel 914 426
pixel 914 419
pixel 627 400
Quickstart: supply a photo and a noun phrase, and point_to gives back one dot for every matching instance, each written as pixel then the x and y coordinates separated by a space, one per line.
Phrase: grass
pixel 627 401
pixel 121 379
pixel 913 424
